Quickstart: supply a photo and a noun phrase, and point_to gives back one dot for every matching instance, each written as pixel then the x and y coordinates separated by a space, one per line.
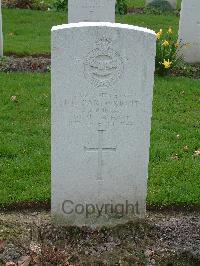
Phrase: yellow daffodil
pixel 170 31
pixel 165 43
pixel 167 64
pixel 158 34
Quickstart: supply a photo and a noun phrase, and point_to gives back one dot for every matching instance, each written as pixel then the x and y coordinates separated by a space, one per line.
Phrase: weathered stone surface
pixel 102 83
pixel 189 30
pixel 91 11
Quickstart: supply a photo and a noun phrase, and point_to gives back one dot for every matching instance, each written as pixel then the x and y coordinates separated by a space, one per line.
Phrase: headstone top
pixel 102 24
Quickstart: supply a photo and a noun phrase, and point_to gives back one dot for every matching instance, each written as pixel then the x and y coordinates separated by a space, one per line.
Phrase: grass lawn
pixel 28 32
pixel 24 137
pixel 25 140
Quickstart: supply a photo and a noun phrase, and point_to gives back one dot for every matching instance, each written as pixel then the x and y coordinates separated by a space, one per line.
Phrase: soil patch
pixel 12 63
pixel 191 71
pixel 136 10
pixel 161 239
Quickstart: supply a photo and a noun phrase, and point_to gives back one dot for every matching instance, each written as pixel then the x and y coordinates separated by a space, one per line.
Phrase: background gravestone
pixel 162 4
pixel 189 30
pixel 91 10
pixel 102 83
pixel 1 33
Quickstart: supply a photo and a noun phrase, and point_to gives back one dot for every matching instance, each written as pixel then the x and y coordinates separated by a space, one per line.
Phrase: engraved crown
pixel 103 43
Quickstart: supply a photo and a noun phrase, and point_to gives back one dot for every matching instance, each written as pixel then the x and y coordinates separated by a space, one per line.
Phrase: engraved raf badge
pixel 103 66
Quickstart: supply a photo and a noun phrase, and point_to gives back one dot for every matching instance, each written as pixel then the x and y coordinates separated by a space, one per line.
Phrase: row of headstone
pixel 102 86
pixel 1 33
pixel 189 30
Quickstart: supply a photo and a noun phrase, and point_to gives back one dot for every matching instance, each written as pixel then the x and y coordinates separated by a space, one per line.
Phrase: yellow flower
pixel 158 34
pixel 167 63
pixel 170 31
pixel 165 43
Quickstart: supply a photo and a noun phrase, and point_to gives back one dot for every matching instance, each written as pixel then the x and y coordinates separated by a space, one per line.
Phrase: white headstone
pixel 189 30
pixel 173 3
pixel 1 33
pixel 91 11
pixel 102 84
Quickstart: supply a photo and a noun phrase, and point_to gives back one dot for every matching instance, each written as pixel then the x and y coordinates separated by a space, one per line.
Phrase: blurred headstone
pixel 189 31
pixel 91 11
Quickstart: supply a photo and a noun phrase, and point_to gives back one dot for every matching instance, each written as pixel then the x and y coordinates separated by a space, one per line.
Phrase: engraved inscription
pixel 101 108
pixel 94 4
pixel 100 149
pixel 103 66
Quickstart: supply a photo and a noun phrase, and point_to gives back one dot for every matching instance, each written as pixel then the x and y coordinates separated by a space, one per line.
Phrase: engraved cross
pixel 100 149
